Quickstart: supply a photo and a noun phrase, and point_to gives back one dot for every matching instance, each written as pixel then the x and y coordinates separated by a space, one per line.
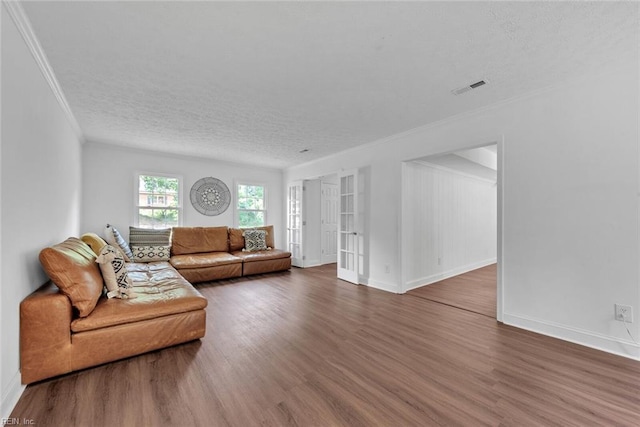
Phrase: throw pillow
pixel 114 238
pixel 151 253
pixel 255 240
pixel 114 273
pixel 270 235
pixel 95 242
pixel 150 245
pixel 71 266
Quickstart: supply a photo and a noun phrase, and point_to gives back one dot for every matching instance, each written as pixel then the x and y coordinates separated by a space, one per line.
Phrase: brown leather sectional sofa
pixel 63 332
pixel 203 254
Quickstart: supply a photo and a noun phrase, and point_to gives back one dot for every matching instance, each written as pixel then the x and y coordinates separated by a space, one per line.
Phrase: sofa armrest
pixel 45 334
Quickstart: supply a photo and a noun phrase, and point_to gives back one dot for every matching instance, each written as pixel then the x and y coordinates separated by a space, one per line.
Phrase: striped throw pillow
pixel 150 245
pixel 114 238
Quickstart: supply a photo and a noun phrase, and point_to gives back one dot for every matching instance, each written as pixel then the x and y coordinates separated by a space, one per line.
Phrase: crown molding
pixel 19 17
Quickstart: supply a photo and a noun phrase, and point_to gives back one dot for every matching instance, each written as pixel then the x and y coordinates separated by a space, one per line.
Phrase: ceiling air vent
pixel 467 88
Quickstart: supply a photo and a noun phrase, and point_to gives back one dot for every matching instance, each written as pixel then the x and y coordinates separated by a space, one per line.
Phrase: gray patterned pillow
pixel 114 273
pixel 255 240
pixel 150 245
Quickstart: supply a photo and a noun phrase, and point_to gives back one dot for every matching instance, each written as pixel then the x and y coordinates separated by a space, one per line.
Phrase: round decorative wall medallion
pixel 210 196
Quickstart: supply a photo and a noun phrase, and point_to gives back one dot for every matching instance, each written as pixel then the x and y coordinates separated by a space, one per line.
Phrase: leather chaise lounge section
pixel 203 254
pixel 55 339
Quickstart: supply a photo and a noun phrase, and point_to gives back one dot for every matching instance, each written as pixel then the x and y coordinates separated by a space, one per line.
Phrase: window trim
pixel 236 211
pixel 136 194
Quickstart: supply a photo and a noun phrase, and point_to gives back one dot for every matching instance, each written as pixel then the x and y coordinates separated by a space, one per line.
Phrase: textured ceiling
pixel 259 82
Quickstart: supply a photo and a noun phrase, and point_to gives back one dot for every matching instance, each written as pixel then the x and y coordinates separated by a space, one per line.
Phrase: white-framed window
pixel 158 200
pixel 251 205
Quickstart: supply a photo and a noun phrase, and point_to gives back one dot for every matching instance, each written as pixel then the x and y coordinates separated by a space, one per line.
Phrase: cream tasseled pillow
pixel 114 273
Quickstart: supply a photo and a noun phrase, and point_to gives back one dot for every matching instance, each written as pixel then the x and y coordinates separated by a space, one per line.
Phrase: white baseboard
pixel 590 339
pixel 383 286
pixel 428 280
pixel 312 263
pixel 329 260
pixel 11 396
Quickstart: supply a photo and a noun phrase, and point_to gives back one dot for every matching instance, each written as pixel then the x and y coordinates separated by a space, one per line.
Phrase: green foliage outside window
pixel 251 206
pixel 159 185
pixel 158 202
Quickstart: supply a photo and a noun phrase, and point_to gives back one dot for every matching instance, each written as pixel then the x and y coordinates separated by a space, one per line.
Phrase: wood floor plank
pixel 474 291
pixel 303 348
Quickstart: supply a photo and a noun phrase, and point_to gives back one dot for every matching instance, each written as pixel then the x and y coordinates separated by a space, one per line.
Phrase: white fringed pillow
pixel 114 273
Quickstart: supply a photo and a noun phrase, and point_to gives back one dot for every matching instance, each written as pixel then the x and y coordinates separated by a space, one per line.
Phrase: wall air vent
pixel 467 88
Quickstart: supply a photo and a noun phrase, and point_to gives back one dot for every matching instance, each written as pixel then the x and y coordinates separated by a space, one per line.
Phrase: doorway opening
pixel 326 223
pixel 451 212
pixel 313 221
pixel 329 220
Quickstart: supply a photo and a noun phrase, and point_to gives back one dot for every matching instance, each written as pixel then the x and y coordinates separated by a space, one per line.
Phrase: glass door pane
pixel 348 226
pixel 294 223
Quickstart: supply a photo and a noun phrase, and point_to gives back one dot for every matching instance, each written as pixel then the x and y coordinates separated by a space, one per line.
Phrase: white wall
pixel 570 208
pixel 109 186
pixel 40 190
pixel 450 221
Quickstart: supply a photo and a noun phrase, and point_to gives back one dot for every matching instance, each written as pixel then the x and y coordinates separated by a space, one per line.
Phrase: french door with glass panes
pixel 348 226
pixel 294 223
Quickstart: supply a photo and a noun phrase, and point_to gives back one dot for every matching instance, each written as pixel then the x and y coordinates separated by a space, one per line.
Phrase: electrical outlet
pixel 387 269
pixel 624 313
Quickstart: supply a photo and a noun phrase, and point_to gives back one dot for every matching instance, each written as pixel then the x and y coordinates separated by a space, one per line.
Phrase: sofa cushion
pixel 71 265
pixel 114 273
pixel 160 290
pixel 194 240
pixel 261 255
pixel 211 259
pixel 236 240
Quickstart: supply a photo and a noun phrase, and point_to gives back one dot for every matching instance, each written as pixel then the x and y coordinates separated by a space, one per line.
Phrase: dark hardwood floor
pixel 474 291
pixel 302 348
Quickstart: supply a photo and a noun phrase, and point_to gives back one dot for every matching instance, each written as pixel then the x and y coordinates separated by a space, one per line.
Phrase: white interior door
pixel 329 223
pixel 294 223
pixel 348 226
